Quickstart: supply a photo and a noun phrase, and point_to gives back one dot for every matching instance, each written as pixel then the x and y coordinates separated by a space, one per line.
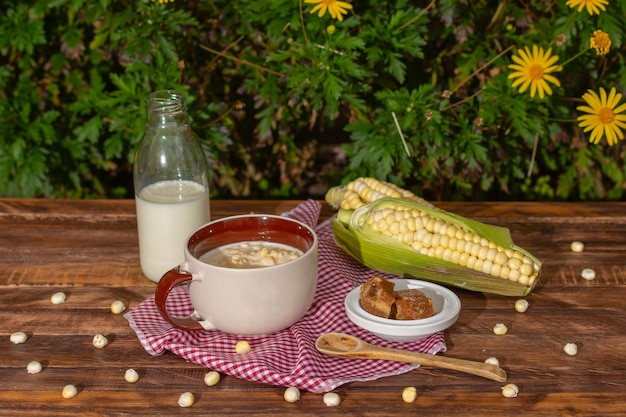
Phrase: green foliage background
pixel 271 87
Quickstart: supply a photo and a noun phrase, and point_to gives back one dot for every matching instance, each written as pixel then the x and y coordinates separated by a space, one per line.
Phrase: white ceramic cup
pixel 255 301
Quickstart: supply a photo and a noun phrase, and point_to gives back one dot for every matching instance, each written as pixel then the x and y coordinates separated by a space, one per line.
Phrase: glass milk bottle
pixel 171 184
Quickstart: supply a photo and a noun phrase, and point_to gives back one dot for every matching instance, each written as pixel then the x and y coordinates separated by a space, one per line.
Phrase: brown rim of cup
pixel 246 228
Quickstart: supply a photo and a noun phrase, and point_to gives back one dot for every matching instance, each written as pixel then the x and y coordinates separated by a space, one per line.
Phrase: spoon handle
pixel 485 370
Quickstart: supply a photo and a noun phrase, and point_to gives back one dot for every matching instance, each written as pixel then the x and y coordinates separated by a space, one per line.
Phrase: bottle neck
pixel 167 106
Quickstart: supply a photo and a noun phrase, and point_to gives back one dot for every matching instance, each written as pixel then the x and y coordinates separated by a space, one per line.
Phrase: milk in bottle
pixel 171 185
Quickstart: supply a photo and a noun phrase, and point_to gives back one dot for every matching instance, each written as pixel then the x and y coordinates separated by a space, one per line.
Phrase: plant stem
pixel 241 61
pixel 532 157
pixel 574 57
pixel 221 116
pixel 483 67
pixel 306 39
pixel 458 103
pixel 432 4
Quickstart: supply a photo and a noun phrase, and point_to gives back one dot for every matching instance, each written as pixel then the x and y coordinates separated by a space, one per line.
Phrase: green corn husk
pixel 386 254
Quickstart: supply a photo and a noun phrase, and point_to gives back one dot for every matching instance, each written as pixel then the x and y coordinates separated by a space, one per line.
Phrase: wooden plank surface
pixel 88 249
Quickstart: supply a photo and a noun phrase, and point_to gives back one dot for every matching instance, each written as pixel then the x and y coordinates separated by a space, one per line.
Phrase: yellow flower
pixel 593 6
pixel 164 1
pixel 534 70
pixel 604 117
pixel 335 8
pixel 601 42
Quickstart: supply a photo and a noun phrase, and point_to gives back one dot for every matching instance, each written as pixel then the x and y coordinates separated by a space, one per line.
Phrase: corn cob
pixel 365 190
pixel 410 239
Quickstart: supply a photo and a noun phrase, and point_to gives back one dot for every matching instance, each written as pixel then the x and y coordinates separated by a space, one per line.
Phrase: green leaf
pixel 279 56
pixel 72 37
pixel 397 68
pixel 610 23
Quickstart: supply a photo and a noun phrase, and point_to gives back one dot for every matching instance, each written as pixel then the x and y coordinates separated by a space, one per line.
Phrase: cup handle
pixel 171 279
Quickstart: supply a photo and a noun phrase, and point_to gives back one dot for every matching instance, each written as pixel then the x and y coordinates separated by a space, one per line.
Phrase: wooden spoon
pixel 347 346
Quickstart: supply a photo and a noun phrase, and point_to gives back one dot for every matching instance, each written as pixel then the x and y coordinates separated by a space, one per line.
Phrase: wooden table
pixel 88 249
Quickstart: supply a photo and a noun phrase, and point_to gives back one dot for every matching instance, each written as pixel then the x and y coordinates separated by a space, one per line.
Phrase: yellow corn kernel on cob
pixel 365 190
pixel 411 239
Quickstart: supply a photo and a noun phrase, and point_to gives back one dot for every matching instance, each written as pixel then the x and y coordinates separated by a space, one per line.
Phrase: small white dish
pixel 446 304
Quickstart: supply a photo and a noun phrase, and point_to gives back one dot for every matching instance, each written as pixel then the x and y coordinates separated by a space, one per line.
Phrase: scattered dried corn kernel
pixel 332 399
pixel 510 390
pixel 34 367
pixel 118 307
pixel 500 329
pixel 292 394
pixel 211 378
pixel 69 391
pixel 409 394
pixel 521 305
pixel 58 298
pixel 571 349
pixel 18 338
pixel 588 274
pixel 242 347
pixel 577 246
pixel 131 376
pixel 493 361
pixel 186 399
pixel 100 341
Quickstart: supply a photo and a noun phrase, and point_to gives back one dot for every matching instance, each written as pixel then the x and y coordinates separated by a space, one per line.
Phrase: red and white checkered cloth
pixel 288 357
